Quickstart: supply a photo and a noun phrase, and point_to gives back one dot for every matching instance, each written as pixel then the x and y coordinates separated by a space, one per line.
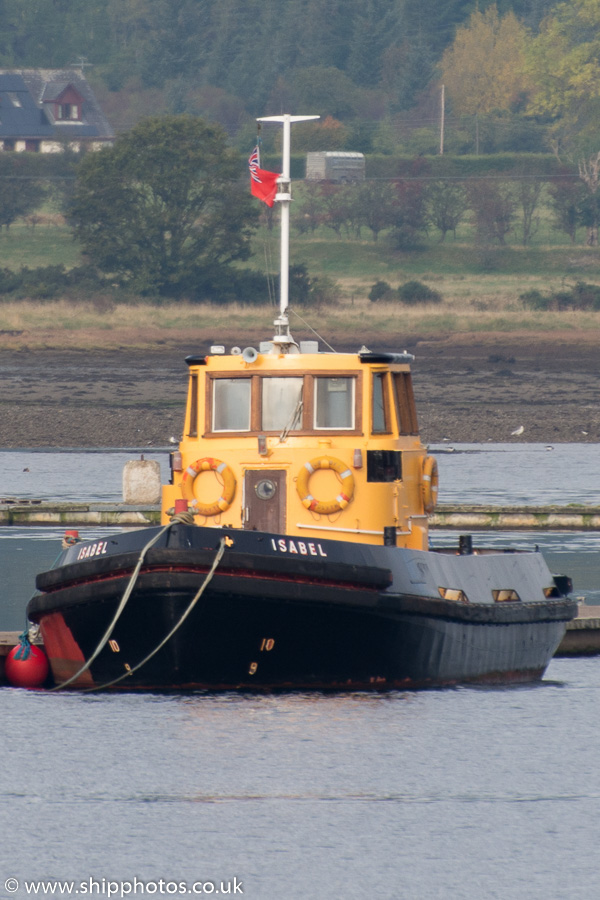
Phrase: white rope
pixel 175 628
pixel 106 636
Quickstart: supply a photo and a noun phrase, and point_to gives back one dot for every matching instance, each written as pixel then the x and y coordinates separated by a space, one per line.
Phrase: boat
pixel 294 550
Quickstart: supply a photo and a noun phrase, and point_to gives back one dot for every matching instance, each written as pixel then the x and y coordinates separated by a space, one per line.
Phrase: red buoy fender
pixel 26 670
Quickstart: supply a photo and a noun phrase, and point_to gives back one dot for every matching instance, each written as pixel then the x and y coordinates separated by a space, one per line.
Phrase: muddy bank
pixel 468 388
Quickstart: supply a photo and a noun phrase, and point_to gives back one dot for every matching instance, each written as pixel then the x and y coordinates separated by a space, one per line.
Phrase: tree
pixel 311 212
pixel 376 206
pixel 405 70
pixel 484 69
pixel 325 91
pixel 370 27
pixel 446 204
pixel 528 193
pixel 564 65
pixel 39 33
pixel 565 200
pixel 589 172
pixel 494 206
pixel 410 217
pixel 327 134
pixel 20 191
pixel 338 206
pixel 161 209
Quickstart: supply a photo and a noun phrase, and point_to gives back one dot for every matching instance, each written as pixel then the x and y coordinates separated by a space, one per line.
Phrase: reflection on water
pixel 460 794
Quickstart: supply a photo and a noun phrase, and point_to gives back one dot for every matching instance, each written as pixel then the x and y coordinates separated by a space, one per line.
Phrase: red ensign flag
pixel 263 184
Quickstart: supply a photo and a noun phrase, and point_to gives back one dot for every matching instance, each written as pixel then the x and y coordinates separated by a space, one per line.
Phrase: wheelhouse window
pixel 193 429
pixel 384 465
pixel 282 404
pixel 379 404
pixel 231 404
pixel 334 403
pixel 406 410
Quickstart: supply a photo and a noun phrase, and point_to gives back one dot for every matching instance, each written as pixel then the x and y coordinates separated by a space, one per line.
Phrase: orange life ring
pixel 430 483
pixel 325 506
pixel 208 464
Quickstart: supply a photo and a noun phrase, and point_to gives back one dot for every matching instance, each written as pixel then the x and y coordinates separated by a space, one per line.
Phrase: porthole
pixel 454 594
pixel 506 596
pixel 265 489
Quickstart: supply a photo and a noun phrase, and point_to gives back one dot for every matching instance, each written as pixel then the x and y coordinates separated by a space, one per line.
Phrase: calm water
pixel 513 474
pixel 493 474
pixel 76 476
pixel 463 793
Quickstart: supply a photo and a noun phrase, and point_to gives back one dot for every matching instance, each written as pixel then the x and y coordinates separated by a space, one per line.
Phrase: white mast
pixel 284 197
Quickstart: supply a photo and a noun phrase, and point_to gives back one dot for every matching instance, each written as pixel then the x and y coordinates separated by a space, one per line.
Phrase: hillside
pixel 360 61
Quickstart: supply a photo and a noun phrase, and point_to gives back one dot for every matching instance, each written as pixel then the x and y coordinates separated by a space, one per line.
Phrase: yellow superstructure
pixel 305 444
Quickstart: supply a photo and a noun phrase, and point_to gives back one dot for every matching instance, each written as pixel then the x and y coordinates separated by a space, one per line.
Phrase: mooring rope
pixel 126 595
pixel 175 628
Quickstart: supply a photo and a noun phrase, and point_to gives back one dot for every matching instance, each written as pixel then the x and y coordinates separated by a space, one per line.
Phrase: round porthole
pixel 265 489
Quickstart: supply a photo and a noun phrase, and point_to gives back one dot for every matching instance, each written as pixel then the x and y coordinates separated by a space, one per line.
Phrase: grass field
pixel 480 290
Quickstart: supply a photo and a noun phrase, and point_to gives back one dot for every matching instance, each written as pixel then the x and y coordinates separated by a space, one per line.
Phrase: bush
pixel 581 297
pixel 50 282
pixel 535 300
pixel 9 281
pixel 586 296
pixel 414 292
pixel 381 290
pixel 252 288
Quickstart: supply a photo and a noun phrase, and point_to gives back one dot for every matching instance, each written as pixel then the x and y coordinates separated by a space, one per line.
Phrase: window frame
pixel 308 410
pixel 261 379
pixel 210 384
pixel 192 430
pixel 327 429
pixel 383 375
pixel 72 110
pixel 404 404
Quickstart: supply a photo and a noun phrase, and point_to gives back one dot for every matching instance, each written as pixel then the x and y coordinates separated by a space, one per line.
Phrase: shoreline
pixel 471 388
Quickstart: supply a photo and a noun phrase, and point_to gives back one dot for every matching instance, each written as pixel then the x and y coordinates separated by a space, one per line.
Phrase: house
pixel 44 110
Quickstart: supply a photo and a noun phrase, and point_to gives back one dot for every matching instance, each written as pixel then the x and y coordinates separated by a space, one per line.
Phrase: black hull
pixel 273 622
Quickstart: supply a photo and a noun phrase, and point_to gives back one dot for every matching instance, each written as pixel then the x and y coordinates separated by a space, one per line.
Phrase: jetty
pixel 582 637
pixel 458 517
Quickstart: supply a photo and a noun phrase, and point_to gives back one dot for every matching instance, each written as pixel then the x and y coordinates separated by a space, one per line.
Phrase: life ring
pixel 430 483
pixel 325 506
pixel 208 464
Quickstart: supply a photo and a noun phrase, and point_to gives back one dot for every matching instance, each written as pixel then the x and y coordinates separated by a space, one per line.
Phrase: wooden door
pixel 264 500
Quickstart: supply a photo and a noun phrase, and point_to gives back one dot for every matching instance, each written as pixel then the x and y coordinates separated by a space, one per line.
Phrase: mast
pixel 283 337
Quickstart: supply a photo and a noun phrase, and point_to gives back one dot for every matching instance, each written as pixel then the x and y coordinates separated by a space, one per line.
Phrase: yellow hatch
pixel 305 444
